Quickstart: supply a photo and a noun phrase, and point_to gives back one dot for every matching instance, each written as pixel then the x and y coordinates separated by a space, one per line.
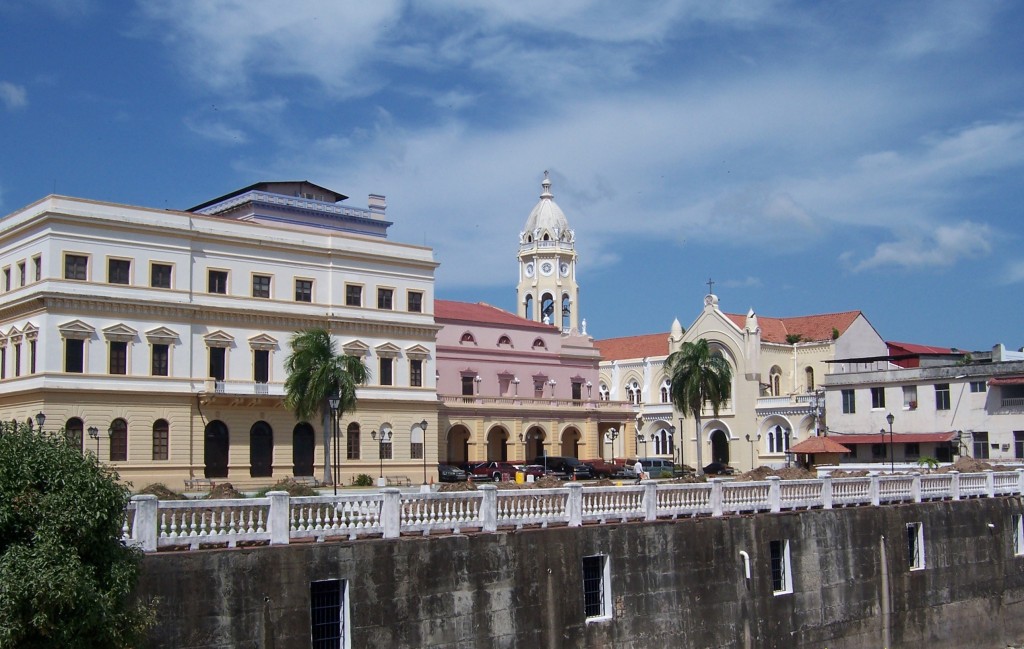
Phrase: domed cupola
pixel 547 288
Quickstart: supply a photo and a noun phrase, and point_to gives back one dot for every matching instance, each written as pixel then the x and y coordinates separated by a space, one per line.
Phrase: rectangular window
pixel 118 271
pixel 416 373
pixel 1017 528
pixel 415 302
pixel 352 444
pixel 160 436
pixel 577 391
pixel 217 358
pixel 877 398
pixel 385 298
pixel 849 402
pixel 387 371
pixel 3 362
pixel 978 386
pixel 74 355
pixel 37 267
pixel 261 365
pixel 217 282
pixel 76 267
pixel 915 545
pixel 118 357
pixel 22 274
pixel 910 397
pixel 596 588
pixel 912 450
pixel 980 445
pixel 261 286
pixel 17 359
pixel 327 613
pixel 782 574
pixel 353 295
pixel 160 357
pixel 467 386
pixel 1018 444
pixel 32 357
pixel 7 278
pixel 416 451
pixel 942 396
pixel 878 451
pixel 385 450
pixel 303 290
pixel 160 275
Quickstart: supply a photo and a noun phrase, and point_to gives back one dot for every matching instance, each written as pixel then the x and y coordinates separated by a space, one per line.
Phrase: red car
pixel 496 471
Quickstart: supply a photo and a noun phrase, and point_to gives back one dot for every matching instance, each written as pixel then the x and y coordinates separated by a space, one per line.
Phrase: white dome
pixel 547 218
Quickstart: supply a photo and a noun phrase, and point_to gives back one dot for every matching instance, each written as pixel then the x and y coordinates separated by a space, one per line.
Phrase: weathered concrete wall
pixel 673 584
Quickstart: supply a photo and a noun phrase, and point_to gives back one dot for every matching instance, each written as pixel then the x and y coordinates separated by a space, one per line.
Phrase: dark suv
pixel 569 466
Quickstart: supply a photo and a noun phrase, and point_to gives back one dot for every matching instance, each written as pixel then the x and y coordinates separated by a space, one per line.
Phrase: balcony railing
pixel 278 519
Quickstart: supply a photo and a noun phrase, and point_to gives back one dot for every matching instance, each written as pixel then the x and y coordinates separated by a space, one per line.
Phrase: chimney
pixel 378 204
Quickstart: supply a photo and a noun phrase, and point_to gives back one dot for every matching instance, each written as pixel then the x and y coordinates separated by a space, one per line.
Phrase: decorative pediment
pixel 120 332
pixel 76 329
pixel 162 336
pixel 388 350
pixel 219 339
pixel 264 342
pixel 417 353
pixel 356 348
pixel 30 331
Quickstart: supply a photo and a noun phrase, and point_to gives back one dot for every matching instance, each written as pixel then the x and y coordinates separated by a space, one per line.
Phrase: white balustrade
pixel 277 518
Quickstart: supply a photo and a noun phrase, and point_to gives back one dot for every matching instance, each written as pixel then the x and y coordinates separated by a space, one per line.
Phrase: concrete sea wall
pixel 679 583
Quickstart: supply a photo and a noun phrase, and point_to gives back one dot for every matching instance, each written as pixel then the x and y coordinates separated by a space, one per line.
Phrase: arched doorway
pixel 215 450
pixel 497 444
pixel 303 449
pixel 571 442
pixel 663 441
pixel 535 437
pixel 719 446
pixel 458 445
pixel 261 450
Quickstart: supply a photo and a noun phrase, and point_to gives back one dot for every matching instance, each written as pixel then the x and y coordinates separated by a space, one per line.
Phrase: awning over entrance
pixel 897 438
pixel 1007 380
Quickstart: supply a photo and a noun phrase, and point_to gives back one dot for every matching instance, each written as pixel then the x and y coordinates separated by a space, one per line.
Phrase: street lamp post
pixel 94 433
pixel 611 435
pixel 385 438
pixel 334 401
pixel 40 420
pixel 515 382
pixel 590 387
pixel 672 442
pixel 423 448
pixel 682 451
pixel 640 439
pixel 753 441
pixel 892 457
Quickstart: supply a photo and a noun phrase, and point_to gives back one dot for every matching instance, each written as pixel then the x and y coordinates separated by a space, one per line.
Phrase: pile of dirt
pixel 547 482
pixel 966 465
pixel 788 473
pixel 162 492
pixel 294 488
pixel 224 490
pixel 456 486
pixel 839 473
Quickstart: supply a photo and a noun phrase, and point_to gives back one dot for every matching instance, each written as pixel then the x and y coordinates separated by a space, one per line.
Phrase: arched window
pixel 633 392
pixel 547 308
pixel 73 431
pixel 665 386
pixel 528 311
pixel 216 442
pixel 663 442
pixel 809 378
pixel 539 344
pixel 771 440
pixel 467 339
pixel 261 450
pixel 778 439
pixel 504 340
pixel 119 440
pixel 566 308
pixel 161 433
pixel 603 392
pixel 775 380
pixel 352 439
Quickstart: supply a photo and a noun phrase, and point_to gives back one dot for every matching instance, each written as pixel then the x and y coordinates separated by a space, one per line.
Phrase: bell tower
pixel 547 290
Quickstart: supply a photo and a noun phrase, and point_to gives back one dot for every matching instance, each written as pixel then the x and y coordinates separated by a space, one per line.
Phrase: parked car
pixel 719 468
pixel 604 468
pixel 496 471
pixel 568 466
pixel 449 473
pixel 536 470
pixel 657 467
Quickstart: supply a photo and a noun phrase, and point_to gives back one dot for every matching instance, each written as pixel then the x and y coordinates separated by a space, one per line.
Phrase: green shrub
pixel 363 480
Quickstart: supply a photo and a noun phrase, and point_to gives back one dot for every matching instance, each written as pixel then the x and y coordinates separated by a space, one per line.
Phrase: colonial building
pixel 156 338
pixel 942 403
pixel 777 366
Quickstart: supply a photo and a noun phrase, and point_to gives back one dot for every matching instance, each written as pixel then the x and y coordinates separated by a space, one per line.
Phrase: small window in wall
pixel 385 298
pixel 353 295
pixel 1018 444
pixel 387 374
pixel 160 436
pixel 17 359
pixel 119 441
pixel 76 267
pixel 217 282
pixel 37 267
pixel 910 397
pixel 7 278
pixel 849 402
pixel 217 363
pixel 160 275
pixel 978 386
pixel 32 357
pixel 118 271
pixel 915 545
pixel 261 286
pixel 118 357
pixel 74 355
pixel 809 378
pixel 980 445
pixel 352 442
pixel 261 366
pixel 596 588
pixel 416 373
pixel 577 391
pixel 3 362
pixel 782 573
pixel 22 274
pixel 942 396
pixel 877 398
pixel 328 613
pixel 1017 529
pixel 161 356
pixel 415 299
pixel 303 290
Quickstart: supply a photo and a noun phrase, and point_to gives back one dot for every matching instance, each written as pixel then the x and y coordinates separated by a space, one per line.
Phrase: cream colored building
pixel 778 365
pixel 165 332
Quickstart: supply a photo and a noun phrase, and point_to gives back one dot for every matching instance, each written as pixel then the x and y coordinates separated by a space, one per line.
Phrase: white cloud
pixel 13 96
pixel 1014 273
pixel 945 246
pixel 217 131
pixel 923 29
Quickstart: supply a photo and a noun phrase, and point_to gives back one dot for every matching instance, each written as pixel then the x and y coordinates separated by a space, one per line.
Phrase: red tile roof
pixel 483 313
pixel 810 328
pixel 896 349
pixel 1007 380
pixel 815 445
pixel 617 349
pixel 897 438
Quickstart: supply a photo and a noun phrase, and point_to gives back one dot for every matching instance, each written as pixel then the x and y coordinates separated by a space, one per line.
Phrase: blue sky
pixel 809 157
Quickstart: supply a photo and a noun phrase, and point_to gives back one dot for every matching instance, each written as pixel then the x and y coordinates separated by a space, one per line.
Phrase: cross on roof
pixel 711 286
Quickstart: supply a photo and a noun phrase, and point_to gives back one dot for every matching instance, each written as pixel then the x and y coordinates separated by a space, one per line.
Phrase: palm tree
pixel 698 376
pixel 315 373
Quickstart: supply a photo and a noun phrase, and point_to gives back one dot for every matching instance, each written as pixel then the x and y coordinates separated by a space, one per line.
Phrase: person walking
pixel 638 468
